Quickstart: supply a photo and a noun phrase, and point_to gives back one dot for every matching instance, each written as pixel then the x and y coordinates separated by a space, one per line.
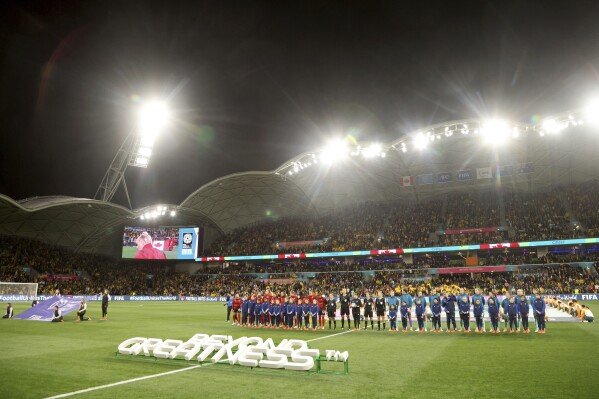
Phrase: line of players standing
pixel 269 310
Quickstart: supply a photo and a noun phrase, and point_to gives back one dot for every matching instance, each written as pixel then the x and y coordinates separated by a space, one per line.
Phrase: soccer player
pixel 436 312
pixel 420 312
pixel 105 299
pixel 82 310
pixel 257 311
pixel 57 318
pixel 306 313
pixel 392 316
pixel 404 312
pixel 9 311
pixel 322 306
pixel 503 311
pixel 251 309
pixel 407 298
pixel 275 313
pixel 289 313
pixel 448 303
pixel 368 306
pixel 519 294
pixel 379 304
pixel 538 307
pixel 479 312
pixel 423 301
pixel 244 310
pixel 264 312
pixel 523 310
pixel 236 307
pixel 314 313
pixel 459 297
pixel 332 310
pixel 298 313
pixel 512 312
pixel 356 306
pixel 493 310
pixel 464 307
pixel 345 300
pixel 478 296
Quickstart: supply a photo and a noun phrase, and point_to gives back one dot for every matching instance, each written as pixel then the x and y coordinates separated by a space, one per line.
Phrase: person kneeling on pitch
pixel 82 310
pixel 57 318
pixel 587 314
pixel 9 312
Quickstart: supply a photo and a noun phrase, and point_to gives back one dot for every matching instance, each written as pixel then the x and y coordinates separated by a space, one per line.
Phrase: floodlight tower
pixel 135 151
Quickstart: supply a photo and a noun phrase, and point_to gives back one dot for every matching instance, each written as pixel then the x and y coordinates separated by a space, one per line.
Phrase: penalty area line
pixel 64 395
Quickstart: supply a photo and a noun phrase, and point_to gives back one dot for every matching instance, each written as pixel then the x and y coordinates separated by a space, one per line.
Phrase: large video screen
pixel 161 243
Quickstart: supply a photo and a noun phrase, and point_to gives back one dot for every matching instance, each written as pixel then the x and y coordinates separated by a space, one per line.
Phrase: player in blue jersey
pixel 314 310
pixel 464 307
pixel 459 297
pixel 523 309
pixel 512 312
pixel 479 296
pixel 244 310
pixel 251 306
pixel 404 312
pixel 493 309
pixel 420 312
pixel 436 314
pixel 479 312
pixel 392 316
pixel 538 308
pixel 407 298
pixel 306 313
pixel 265 313
pixel 503 311
pixel 449 305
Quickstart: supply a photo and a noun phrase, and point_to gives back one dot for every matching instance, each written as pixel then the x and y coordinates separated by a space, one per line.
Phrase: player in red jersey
pixel 322 305
pixel 237 301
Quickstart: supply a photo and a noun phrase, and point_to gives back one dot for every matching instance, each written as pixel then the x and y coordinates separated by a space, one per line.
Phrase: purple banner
pixel 44 311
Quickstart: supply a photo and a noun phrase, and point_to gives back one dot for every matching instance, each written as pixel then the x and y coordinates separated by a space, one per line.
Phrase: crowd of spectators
pixel 556 213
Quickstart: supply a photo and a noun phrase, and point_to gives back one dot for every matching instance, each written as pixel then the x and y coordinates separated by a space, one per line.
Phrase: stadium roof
pixel 331 178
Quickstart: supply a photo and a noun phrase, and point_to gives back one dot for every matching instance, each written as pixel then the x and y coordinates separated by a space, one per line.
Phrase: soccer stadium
pixel 454 259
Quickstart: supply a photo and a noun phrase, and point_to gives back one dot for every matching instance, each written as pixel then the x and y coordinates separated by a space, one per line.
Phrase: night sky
pixel 253 83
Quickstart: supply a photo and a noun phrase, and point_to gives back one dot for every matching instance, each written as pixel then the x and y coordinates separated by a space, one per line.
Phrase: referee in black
pixel 332 310
pixel 345 300
pixel 105 299
pixel 368 305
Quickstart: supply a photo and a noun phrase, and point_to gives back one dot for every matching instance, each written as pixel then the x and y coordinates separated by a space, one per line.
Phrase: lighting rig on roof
pixel 493 132
pixel 154 212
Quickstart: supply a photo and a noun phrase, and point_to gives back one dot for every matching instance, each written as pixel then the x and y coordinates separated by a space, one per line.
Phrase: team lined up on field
pixel 268 310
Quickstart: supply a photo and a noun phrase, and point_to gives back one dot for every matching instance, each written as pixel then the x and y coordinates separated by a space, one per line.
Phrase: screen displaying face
pixel 160 243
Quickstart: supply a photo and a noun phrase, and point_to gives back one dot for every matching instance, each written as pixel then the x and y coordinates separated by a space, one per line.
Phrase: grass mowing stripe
pixel 64 395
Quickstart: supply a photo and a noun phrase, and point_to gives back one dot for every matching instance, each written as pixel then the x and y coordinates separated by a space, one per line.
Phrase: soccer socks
pixel 384 325
pixel 371 325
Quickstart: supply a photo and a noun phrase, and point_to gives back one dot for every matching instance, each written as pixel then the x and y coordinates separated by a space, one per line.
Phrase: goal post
pixel 10 291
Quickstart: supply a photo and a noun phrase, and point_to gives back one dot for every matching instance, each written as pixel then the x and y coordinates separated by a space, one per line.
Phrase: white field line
pixel 147 377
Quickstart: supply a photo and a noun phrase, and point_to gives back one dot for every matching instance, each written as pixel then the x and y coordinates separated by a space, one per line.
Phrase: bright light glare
pixel 335 150
pixel 495 132
pixel 420 141
pixel 373 150
pixel 173 213
pixel 152 118
pixel 592 112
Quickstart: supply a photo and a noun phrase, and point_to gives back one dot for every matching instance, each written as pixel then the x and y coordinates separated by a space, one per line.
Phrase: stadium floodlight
pixel 552 126
pixel 173 213
pixel 373 150
pixel 334 151
pixel 420 141
pixel 592 112
pixel 153 116
pixel 495 132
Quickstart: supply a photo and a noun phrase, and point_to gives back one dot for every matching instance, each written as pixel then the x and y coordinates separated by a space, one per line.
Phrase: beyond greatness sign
pixel 289 354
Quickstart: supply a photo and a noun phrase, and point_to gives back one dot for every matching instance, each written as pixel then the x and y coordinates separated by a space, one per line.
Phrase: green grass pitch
pixel 40 359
